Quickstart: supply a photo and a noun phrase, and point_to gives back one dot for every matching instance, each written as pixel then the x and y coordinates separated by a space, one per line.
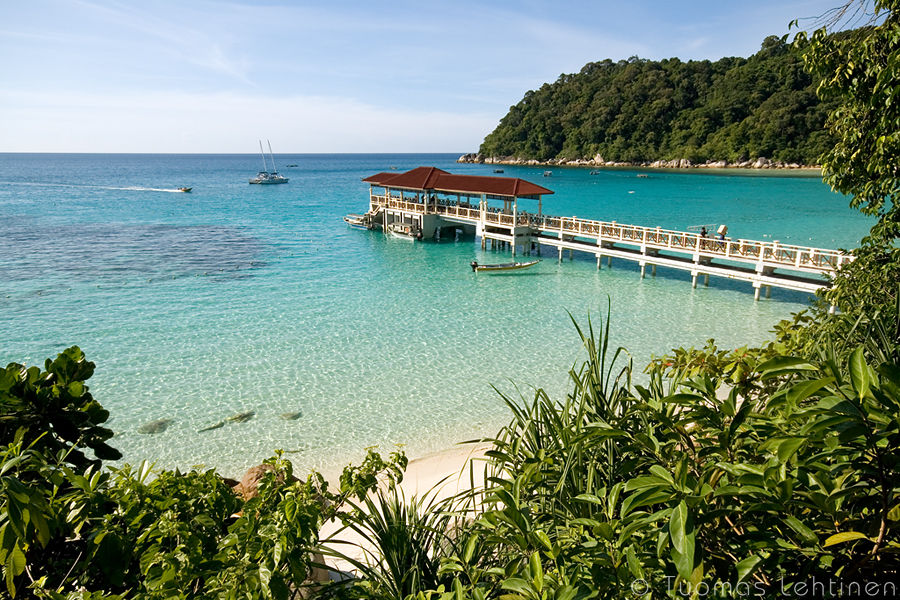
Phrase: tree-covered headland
pixel 640 111
pixel 768 472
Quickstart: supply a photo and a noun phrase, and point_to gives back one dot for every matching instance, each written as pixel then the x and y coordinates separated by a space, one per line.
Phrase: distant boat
pixel 286 165
pixel 184 189
pixel 404 231
pixel 266 176
pixel 502 268
pixel 595 172
pixel 548 173
pixel 498 170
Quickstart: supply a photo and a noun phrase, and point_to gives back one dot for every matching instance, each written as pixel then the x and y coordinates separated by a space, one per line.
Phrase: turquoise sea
pixel 239 298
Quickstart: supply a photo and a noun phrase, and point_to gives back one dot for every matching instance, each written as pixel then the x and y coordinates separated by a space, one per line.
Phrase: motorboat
pixel 184 189
pixel 548 173
pixel 265 176
pixel 405 231
pixel 358 221
pixel 502 268
pixel 498 170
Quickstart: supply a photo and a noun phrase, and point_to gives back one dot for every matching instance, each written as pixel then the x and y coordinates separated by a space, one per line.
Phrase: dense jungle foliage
pixel 757 472
pixel 637 110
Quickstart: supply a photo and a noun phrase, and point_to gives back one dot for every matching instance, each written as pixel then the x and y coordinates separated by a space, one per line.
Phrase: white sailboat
pixel 266 176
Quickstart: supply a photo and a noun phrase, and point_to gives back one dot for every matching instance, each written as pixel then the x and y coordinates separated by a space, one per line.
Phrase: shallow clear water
pixel 241 298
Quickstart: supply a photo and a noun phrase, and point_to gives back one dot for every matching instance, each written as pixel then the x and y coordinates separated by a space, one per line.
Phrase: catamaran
pixel 266 176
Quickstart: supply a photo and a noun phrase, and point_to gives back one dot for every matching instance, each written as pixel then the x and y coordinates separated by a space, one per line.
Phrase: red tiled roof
pixel 431 178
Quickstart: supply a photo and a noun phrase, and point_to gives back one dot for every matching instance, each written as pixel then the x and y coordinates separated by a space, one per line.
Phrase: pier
pixel 433 200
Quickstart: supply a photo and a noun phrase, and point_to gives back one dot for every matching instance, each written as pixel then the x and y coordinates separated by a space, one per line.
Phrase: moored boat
pixel 358 221
pixel 265 176
pixel 502 268
pixel 404 231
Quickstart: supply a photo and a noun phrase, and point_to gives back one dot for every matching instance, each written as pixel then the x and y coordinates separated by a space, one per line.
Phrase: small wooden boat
pixel 358 222
pixel 502 268
pixel 404 231
pixel 184 189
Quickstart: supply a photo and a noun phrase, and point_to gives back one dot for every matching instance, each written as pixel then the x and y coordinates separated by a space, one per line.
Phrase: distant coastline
pixel 598 161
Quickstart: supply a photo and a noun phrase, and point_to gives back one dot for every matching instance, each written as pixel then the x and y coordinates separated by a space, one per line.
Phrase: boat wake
pixel 98 187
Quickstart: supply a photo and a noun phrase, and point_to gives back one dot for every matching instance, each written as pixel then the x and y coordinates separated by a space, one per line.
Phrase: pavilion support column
pixel 653 270
pixel 609 261
pixel 599 261
pixel 706 279
pixel 643 269
pixel 768 291
pixel 694 275
pixel 560 253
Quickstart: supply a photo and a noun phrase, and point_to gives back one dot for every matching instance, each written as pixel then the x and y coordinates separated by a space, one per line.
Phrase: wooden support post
pixel 694 279
pixel 599 260
pixel 571 253
pixel 483 241
pixel 643 269
pixel 609 261
pixel 560 252
pixel 706 280
pixel 768 291
pixel 756 289
pixel 653 270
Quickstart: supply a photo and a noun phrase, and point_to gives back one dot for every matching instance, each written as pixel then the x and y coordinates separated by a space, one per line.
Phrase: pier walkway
pixel 418 198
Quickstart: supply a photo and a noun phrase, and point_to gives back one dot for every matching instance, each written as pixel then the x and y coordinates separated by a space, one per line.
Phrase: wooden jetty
pixel 434 200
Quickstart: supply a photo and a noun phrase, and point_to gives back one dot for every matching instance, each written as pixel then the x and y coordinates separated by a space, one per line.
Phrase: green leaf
pixel 677 525
pixel 805 533
pixel 788 447
pixel 859 373
pixel 783 365
pixel 845 536
pixel 746 567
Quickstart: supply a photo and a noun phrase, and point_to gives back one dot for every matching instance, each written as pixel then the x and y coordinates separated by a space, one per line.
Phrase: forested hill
pixel 734 109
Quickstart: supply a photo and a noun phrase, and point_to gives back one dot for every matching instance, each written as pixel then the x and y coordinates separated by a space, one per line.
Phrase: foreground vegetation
pixel 729 473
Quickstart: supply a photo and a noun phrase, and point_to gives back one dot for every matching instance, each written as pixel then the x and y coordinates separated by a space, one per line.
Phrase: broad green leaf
pixel 788 447
pixel 677 525
pixel 845 536
pixel 859 373
pixel 519 585
pixel 783 365
pixel 746 567
pixel 802 530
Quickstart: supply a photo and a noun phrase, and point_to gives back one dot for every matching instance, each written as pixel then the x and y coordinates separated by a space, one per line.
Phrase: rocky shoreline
pixel 598 161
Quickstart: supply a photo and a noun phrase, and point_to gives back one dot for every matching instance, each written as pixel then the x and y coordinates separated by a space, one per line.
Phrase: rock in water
pixel 155 426
pixel 242 417
pixel 292 416
pixel 211 427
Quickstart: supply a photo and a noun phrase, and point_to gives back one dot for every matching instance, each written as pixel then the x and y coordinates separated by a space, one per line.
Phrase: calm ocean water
pixel 239 298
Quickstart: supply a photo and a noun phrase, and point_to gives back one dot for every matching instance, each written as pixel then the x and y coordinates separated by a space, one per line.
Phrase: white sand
pixel 442 474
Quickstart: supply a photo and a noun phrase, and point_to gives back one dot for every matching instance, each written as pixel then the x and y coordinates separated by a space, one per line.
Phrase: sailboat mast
pixel 274 168
pixel 261 151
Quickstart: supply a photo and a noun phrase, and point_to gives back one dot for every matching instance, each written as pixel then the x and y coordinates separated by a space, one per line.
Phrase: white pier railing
pixel 591 235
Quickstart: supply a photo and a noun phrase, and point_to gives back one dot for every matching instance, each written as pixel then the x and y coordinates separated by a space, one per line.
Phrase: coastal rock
pixel 761 162
pixel 242 417
pixel 157 426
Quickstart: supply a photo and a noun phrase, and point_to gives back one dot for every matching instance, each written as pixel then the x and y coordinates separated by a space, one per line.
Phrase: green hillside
pixel 637 110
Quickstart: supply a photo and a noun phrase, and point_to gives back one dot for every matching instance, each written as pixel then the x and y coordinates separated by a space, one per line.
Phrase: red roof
pixel 432 178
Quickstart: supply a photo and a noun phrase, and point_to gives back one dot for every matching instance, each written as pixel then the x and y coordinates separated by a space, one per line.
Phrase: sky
pixel 331 76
